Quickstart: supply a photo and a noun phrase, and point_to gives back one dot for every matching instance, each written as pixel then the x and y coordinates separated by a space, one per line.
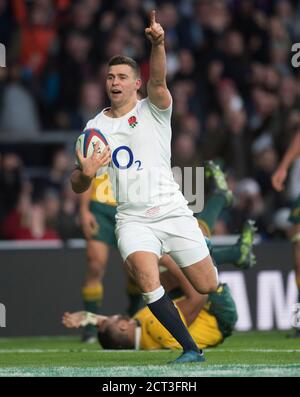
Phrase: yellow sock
pixel 94 293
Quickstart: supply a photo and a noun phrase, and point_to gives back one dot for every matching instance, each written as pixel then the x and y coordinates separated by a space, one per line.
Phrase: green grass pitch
pixel 243 354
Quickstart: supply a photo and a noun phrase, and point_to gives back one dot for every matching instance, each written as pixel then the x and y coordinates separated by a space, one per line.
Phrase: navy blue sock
pixel 165 311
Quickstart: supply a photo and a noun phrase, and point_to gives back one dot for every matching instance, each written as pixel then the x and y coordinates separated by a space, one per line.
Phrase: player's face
pixel 121 322
pixel 117 321
pixel 121 84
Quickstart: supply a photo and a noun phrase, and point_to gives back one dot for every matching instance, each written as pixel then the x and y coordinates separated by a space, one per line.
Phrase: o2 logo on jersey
pixel 119 153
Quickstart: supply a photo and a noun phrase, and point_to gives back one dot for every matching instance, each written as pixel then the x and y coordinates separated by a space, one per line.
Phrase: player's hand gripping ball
pixel 86 142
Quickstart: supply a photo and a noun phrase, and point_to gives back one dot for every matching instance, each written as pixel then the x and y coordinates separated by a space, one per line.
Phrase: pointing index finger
pixel 152 18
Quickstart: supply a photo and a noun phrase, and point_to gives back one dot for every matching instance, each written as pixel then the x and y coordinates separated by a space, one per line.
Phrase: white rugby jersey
pixel 140 170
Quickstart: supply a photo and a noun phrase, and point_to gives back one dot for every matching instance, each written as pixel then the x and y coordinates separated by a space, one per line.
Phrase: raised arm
pixel 293 151
pixel 157 89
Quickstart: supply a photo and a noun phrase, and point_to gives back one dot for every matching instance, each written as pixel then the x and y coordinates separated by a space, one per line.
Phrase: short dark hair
pixel 113 338
pixel 123 60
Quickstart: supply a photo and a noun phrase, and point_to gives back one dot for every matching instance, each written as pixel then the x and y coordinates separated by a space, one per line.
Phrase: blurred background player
pixel 97 213
pixel 218 200
pixel 278 178
pixel 240 254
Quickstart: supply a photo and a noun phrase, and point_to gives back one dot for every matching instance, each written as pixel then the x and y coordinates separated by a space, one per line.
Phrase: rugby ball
pixel 86 143
pixel 87 140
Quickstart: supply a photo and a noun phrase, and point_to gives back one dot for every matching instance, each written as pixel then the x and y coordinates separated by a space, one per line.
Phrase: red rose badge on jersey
pixel 132 121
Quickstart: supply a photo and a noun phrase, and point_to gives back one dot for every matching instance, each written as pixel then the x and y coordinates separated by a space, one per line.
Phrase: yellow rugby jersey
pixel 204 330
pixel 102 190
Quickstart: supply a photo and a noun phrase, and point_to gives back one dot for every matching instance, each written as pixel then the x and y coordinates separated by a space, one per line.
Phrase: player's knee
pixel 95 267
pixel 212 287
pixel 94 272
pixel 207 288
pixel 209 283
pixel 95 262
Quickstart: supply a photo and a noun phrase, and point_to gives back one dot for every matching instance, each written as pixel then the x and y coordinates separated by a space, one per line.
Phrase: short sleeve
pixel 163 116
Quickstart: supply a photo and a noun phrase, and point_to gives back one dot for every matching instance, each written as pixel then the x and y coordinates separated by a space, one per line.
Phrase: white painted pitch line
pixel 158 370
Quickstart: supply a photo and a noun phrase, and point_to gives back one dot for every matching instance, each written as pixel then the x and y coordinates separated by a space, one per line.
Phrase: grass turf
pixel 243 354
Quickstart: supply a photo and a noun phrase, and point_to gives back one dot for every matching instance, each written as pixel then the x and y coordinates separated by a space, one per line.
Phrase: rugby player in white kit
pixel 152 214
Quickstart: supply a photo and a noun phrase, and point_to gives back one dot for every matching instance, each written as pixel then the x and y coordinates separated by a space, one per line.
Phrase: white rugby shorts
pixel 178 236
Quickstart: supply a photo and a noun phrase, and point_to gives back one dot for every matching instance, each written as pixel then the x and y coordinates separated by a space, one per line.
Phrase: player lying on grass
pixel 209 318
pixel 241 253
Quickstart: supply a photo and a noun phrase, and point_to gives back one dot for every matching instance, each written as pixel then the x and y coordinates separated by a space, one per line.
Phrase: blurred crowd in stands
pixel 236 97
